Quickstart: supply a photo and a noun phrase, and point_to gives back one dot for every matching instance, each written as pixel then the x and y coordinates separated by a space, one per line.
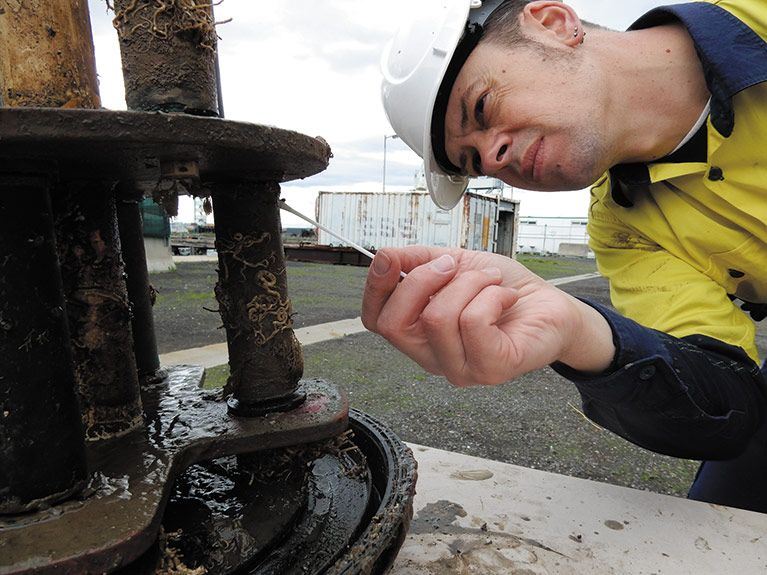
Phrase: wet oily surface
pixel 119 515
pixel 281 511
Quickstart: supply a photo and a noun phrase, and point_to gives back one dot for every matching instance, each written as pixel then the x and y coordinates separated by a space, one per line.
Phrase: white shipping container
pixel 396 219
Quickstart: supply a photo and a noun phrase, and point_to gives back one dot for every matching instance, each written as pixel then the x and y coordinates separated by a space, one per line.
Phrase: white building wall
pixel 546 234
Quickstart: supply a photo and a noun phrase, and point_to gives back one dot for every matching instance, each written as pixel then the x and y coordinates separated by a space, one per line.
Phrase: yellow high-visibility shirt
pixel 698 230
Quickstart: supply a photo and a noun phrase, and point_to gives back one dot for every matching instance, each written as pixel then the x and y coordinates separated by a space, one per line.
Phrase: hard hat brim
pixel 445 189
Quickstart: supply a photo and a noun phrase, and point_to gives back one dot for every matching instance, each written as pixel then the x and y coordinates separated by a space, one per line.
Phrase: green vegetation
pixel 216 376
pixel 557 267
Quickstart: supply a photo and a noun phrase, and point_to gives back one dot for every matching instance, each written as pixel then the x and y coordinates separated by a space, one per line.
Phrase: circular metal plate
pixel 131 146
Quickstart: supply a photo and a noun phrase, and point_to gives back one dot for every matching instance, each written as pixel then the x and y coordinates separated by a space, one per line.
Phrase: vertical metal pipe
pixel 265 359
pixel 97 307
pixel 169 63
pixel 139 290
pixel 46 60
pixel 168 55
pixel 42 453
pixel 46 55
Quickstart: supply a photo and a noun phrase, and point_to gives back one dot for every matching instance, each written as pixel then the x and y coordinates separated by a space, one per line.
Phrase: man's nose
pixel 496 153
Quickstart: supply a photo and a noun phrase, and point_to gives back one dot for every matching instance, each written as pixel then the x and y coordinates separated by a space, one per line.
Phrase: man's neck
pixel 657 89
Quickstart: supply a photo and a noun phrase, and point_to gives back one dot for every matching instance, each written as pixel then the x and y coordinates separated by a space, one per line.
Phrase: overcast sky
pixel 313 66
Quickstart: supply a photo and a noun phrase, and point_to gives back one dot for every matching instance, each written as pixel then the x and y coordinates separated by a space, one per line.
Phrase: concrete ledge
pixel 479 516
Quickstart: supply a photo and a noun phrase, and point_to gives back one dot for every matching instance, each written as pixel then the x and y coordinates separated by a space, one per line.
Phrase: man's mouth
pixel 530 167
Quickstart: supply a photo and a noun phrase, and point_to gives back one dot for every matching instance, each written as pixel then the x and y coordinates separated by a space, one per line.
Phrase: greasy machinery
pixel 109 461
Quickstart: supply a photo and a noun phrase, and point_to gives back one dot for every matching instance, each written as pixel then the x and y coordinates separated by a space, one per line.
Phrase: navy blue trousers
pixel 739 482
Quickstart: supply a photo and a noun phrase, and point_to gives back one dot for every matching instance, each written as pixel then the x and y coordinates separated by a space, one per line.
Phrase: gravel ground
pixel 533 421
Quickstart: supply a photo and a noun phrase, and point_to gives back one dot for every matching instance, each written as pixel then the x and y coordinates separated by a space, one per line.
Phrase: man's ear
pixel 555 20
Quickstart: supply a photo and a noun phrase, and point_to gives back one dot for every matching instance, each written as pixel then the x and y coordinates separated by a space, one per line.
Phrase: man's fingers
pixel 382 280
pixel 442 318
pixel 414 256
pixel 384 277
pixel 490 351
pixel 401 313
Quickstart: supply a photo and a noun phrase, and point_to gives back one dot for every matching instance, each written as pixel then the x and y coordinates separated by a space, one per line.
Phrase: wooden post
pixel 46 55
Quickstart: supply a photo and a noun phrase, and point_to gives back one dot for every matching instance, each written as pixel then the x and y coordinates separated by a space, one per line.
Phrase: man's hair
pixel 502 26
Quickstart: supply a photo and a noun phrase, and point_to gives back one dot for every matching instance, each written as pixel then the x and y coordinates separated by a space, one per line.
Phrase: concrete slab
pixel 479 516
pixel 217 354
pixel 207 356
pixel 192 259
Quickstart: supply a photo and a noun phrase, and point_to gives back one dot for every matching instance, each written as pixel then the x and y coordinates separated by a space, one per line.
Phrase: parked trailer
pixel 396 219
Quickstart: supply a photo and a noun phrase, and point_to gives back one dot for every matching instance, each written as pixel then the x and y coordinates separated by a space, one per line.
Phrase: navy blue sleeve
pixel 694 397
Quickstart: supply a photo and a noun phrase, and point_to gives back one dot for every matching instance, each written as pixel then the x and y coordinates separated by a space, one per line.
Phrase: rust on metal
pixel 42 454
pixel 129 146
pixel 265 358
pixel 97 308
pixel 168 55
pixel 140 292
pixel 119 516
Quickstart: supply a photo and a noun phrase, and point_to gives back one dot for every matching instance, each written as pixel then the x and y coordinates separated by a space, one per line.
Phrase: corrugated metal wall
pixel 397 219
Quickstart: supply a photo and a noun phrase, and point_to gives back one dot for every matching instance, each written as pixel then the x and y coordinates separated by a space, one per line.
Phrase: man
pixel 670 120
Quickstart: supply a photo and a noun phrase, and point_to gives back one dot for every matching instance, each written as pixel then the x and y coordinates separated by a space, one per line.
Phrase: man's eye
pixel 476 163
pixel 479 110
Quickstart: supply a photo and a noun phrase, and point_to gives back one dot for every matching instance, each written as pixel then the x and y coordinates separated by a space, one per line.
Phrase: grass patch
pixel 556 267
pixel 216 376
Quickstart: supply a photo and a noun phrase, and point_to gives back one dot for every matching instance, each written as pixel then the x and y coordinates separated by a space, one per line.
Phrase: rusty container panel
pixel 46 55
pixel 397 219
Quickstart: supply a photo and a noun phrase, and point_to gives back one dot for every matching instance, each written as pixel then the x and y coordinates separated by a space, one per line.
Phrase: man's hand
pixel 479 318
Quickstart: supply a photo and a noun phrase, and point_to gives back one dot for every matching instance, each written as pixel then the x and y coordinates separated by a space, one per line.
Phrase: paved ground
pixel 533 421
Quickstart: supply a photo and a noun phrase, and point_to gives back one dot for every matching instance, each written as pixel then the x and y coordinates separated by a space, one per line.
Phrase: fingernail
pixel 443 263
pixel 381 263
pixel 492 272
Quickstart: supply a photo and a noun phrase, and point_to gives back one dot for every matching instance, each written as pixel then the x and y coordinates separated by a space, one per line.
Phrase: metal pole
pixel 168 56
pixel 46 55
pixel 46 60
pixel 42 449
pixel 139 290
pixel 265 358
pixel 93 274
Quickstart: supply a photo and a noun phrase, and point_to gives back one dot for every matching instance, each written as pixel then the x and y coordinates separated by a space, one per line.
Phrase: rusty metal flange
pixel 135 146
pixel 119 516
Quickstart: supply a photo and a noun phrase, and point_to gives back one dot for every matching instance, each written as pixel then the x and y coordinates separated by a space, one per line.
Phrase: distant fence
pixel 553 235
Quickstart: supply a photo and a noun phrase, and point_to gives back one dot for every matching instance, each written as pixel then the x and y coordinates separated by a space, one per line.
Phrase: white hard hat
pixel 419 67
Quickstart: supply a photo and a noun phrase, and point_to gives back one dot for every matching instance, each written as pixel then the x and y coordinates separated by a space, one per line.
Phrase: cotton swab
pixel 357 247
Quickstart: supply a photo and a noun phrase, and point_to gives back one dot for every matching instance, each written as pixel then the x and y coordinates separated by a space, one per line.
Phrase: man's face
pixel 525 115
